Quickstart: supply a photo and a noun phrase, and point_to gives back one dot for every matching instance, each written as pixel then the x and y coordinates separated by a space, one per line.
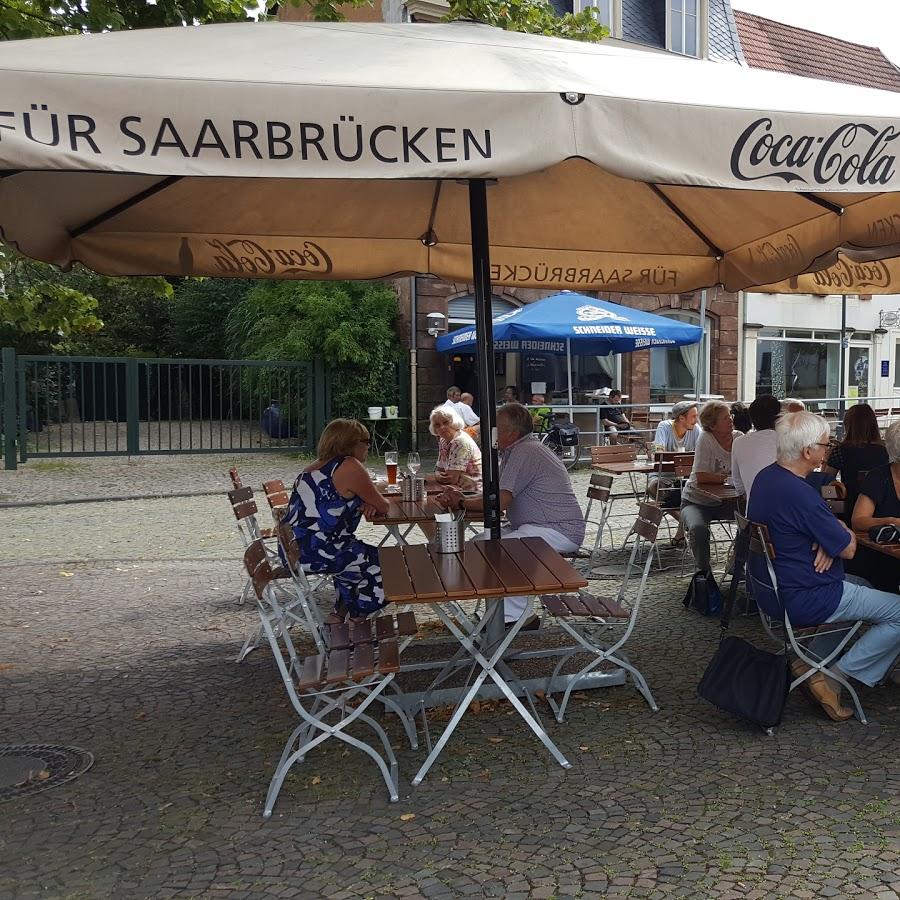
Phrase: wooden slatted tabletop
pixel 863 539
pixel 408 512
pixel 630 467
pixel 382 487
pixel 508 567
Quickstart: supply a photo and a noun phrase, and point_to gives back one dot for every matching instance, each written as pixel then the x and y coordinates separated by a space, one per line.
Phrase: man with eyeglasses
pixel 810 544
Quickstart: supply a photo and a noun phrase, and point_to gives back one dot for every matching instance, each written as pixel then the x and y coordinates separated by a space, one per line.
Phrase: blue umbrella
pixel 570 322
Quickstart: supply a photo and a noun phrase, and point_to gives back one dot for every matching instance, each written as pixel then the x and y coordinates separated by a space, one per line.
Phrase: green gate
pixel 58 406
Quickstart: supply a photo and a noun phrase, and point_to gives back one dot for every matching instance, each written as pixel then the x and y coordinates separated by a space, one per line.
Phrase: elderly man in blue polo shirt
pixel 810 546
pixel 535 492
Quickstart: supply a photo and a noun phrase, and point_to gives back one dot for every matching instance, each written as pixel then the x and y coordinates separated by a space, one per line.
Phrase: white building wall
pixel 806 312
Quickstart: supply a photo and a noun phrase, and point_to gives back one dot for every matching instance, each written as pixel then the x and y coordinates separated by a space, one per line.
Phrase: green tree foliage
pixel 348 323
pixel 136 314
pixel 41 18
pixel 39 308
pixel 531 17
pixel 199 313
pixel 44 310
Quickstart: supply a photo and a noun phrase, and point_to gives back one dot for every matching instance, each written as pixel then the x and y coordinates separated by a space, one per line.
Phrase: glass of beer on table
pixel 390 463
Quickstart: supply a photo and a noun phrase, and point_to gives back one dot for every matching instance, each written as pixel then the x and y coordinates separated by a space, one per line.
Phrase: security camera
pixel 437 323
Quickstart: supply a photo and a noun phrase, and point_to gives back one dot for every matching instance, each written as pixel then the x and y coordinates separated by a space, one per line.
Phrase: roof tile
pixel 784 48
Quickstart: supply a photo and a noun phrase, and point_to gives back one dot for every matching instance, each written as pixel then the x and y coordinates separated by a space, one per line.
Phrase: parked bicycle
pixel 561 435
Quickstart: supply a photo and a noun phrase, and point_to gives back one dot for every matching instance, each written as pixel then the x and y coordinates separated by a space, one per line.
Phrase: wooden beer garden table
pixel 408 512
pixel 863 540
pixel 490 570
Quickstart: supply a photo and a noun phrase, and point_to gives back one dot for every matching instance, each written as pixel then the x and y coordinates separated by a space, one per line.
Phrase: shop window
pixel 674 370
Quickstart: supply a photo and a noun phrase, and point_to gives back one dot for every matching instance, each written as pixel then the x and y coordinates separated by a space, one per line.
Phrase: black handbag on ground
pixel 744 680
pixel 703 594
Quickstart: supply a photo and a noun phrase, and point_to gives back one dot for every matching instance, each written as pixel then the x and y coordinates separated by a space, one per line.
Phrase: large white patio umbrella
pixel 299 150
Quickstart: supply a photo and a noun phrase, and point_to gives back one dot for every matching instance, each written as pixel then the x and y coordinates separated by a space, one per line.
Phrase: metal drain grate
pixel 29 768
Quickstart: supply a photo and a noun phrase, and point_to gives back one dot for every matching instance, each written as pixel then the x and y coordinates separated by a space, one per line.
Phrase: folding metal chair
pixel 602 625
pixel 321 686
pixel 800 640
pixel 835 495
pixel 245 513
pixel 599 492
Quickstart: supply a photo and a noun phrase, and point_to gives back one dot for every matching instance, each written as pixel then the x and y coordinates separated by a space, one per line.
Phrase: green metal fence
pixel 57 406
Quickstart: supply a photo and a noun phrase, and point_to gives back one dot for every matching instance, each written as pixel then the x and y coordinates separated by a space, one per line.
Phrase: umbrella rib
pixel 716 251
pixel 821 201
pixel 125 205
pixel 429 238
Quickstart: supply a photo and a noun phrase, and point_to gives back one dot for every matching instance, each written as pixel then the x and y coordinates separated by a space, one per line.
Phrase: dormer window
pixel 683 26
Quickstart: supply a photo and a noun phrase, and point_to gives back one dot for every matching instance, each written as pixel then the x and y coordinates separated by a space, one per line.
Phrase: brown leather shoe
pixel 820 689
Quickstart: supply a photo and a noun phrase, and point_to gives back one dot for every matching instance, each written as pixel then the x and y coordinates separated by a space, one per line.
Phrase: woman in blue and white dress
pixel 329 498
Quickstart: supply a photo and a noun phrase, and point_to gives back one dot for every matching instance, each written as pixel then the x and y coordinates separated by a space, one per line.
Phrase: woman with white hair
pixel 712 465
pixel 459 457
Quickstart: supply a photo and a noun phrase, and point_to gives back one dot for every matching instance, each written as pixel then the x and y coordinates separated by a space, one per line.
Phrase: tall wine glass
pixel 413 463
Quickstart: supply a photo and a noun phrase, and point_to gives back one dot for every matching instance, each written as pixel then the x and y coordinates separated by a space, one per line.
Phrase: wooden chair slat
pixel 388 657
pixel 651 512
pixel 514 580
pixel 543 579
pixel 363 661
pixel 245 509
pixel 601 480
pixel 604 607
pixel 575 606
pixel 384 628
pixel 555 606
pixel 397 584
pixel 235 478
pixel 425 579
pixel 406 621
pixel 338 668
pixel 646 530
pixel 288 543
pixel 240 495
pixel 598 493
pixel 274 486
pixel 484 579
pixel 338 636
pixel 311 674
pixel 568 577
pixel 614 453
pixel 361 632
pixel 452 573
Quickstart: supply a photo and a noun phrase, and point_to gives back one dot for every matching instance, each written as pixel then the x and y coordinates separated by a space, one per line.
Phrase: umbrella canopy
pixel 322 150
pixel 591 325
pixel 852 273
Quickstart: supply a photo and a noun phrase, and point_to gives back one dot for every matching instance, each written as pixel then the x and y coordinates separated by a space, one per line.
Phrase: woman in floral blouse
pixel 459 457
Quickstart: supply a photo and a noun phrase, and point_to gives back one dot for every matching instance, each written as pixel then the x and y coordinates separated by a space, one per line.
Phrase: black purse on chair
pixel 744 680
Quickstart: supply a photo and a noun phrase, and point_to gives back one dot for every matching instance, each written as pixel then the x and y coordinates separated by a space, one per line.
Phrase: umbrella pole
pixel 569 375
pixel 484 352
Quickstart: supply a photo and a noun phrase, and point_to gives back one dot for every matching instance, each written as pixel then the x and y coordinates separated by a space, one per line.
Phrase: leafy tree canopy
pixel 43 309
pixel 348 323
pixel 531 17
pixel 41 18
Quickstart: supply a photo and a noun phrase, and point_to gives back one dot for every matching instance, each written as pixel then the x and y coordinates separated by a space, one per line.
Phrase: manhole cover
pixel 30 768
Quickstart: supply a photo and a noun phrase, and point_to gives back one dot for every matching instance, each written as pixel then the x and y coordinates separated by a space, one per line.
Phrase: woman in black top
pixel 879 504
pixel 861 450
